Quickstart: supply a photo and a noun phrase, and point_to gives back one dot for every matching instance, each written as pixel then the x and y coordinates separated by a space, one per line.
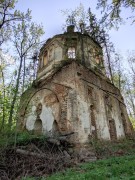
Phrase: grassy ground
pixel 114 168
pixel 106 149
pixel 118 160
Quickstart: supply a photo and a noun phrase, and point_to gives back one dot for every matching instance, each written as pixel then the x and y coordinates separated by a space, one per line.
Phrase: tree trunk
pixel 119 82
pixel 132 101
pixel 23 74
pixel 4 99
pixel 15 96
pixel 109 63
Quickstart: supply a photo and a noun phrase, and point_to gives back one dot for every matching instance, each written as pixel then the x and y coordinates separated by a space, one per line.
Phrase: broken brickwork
pixel 71 97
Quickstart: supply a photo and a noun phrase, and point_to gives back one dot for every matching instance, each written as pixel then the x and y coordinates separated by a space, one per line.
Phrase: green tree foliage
pixel 118 72
pixel 6 89
pixel 8 16
pixel 131 60
pixel 131 84
pixel 129 96
pixel 112 11
pixel 124 79
pixel 26 38
pixel 86 22
pixel 132 121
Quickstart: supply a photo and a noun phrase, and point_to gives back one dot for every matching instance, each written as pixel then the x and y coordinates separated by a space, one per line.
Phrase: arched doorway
pixel 38 126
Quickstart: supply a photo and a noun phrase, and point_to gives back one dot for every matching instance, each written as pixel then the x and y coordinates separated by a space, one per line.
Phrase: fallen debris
pixel 39 159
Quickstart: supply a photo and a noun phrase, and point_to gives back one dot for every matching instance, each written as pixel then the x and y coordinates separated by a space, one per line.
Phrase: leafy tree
pixel 92 26
pixel 3 90
pixel 118 73
pixel 132 121
pixel 97 31
pixel 24 36
pixel 26 39
pixel 131 83
pixel 8 17
pixel 6 88
pixel 130 99
pixel 112 10
pixel 75 17
pixel 131 60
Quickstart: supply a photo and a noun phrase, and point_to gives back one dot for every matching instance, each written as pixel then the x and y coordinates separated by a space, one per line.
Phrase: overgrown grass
pixel 109 169
pixel 114 168
pixel 27 137
pixel 105 149
pixel 19 138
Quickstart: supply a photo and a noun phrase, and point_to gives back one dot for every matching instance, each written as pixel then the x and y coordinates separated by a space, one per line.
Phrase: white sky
pixel 48 12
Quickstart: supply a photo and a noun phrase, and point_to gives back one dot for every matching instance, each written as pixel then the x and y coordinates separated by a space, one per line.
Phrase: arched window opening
pixel 38 126
pixel 71 53
pixel 112 129
pixel 45 58
pixel 50 56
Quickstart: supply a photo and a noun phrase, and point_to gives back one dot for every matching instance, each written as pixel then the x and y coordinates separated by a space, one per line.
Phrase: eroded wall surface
pixel 66 47
pixel 76 100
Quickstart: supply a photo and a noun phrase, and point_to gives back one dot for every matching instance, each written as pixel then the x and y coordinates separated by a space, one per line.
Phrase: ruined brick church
pixel 72 94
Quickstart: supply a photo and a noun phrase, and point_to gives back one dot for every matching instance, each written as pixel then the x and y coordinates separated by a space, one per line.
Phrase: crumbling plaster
pixel 74 98
pixel 56 50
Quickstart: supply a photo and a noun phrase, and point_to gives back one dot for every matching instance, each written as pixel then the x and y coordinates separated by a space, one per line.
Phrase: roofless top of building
pixel 69 46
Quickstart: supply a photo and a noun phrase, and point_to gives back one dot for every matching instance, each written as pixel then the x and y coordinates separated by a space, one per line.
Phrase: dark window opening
pixel 79 74
pixel 38 126
pixel 50 58
pixel 112 129
pixel 41 62
pixel 45 58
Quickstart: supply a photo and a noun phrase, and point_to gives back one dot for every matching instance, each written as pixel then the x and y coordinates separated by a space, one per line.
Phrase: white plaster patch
pixel 84 117
pixel 93 128
pixel 30 122
pixel 47 118
pixel 102 126
pixel 58 53
pixel 48 114
pixel 117 118
pixel 33 108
